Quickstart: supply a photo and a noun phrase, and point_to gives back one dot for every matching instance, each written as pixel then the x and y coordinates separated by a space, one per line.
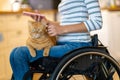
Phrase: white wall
pixel 110 33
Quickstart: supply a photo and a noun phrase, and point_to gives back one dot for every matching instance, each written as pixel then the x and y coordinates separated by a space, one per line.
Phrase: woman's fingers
pixel 39 18
pixel 34 15
pixel 51 30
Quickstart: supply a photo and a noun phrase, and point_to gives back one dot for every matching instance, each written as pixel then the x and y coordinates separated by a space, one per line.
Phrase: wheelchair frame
pixel 55 70
pixel 93 54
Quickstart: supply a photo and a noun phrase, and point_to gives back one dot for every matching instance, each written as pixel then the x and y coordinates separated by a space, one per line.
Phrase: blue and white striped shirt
pixel 77 11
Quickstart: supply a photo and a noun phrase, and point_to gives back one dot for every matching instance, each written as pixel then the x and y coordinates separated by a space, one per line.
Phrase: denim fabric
pixel 20 56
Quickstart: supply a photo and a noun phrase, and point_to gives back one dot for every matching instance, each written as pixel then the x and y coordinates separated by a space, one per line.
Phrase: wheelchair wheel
pixel 87 64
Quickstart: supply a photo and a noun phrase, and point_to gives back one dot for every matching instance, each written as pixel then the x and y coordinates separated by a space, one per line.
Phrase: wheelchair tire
pixel 90 63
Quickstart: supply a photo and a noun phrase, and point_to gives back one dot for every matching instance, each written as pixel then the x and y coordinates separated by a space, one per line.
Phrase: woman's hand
pixel 38 17
pixel 54 29
pixel 35 15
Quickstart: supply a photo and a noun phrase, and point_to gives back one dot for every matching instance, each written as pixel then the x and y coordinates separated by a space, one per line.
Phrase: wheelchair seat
pixel 94 63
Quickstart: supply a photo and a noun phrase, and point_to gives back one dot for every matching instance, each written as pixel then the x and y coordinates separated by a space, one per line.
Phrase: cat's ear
pixel 30 22
pixel 30 25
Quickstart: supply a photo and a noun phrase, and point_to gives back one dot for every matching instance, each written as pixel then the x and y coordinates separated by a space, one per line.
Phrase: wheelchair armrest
pixel 95 40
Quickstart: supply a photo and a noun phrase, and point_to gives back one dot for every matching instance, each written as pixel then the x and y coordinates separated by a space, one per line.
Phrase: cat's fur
pixel 39 38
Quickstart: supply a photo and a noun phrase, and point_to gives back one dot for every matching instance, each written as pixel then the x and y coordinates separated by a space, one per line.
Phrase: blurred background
pixel 14 32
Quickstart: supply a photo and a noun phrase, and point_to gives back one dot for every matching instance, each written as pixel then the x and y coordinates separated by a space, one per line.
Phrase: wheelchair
pixel 87 63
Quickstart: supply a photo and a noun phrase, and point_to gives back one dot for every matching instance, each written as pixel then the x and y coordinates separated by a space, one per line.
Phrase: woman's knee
pixel 12 53
pixel 19 53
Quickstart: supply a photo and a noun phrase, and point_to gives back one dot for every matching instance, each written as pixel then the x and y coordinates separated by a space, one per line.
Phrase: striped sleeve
pixel 94 21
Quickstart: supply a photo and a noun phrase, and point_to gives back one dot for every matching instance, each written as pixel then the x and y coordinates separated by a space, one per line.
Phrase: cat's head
pixel 36 29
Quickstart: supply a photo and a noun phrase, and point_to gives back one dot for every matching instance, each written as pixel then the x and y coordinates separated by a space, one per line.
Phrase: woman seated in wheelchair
pixel 77 19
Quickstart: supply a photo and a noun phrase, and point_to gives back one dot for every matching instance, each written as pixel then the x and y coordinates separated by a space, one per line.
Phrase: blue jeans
pixel 20 56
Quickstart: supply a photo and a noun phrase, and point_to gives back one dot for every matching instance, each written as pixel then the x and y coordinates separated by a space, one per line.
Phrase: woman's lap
pixel 56 51
pixel 20 56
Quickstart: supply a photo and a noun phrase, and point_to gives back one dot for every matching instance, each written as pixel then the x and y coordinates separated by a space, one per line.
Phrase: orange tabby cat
pixel 39 38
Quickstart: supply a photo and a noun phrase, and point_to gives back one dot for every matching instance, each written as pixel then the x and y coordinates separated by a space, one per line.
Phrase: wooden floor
pixel 37 76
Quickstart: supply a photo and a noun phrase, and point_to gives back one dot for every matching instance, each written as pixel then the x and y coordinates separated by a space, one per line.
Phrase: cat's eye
pixel 39 30
pixel 33 30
